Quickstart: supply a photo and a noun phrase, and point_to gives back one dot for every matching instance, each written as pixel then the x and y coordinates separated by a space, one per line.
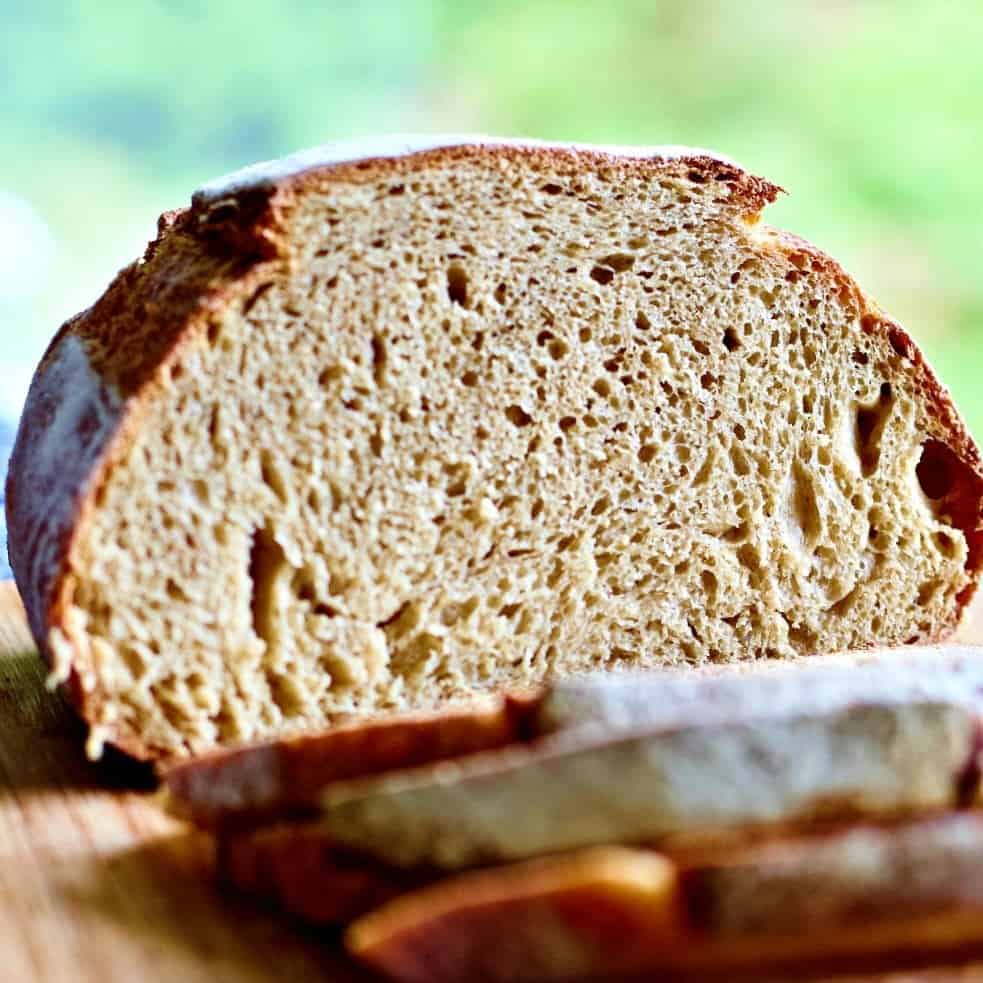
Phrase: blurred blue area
pixel 6 443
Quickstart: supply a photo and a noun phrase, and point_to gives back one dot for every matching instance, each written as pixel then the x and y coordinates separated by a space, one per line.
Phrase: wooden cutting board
pixel 96 884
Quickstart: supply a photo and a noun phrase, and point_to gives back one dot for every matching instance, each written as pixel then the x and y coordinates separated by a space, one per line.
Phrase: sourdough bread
pixel 381 429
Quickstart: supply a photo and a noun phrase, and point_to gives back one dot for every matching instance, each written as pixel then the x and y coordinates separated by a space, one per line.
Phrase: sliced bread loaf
pixel 383 429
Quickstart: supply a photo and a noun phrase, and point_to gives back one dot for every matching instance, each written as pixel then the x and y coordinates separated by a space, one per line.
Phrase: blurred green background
pixel 867 111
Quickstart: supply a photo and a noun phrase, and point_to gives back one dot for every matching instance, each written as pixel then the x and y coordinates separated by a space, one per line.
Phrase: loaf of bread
pixel 383 428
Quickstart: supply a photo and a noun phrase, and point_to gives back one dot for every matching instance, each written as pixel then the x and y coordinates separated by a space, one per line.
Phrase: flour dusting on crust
pixel 70 415
pixel 267 173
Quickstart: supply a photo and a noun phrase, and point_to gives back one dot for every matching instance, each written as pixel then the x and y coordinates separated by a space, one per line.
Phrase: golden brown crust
pixel 600 911
pixel 103 367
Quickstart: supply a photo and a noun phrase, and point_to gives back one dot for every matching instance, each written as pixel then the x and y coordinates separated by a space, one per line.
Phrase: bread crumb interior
pixel 503 421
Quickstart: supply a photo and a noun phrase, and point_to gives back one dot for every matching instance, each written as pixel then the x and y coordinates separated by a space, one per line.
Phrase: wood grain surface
pixel 96 884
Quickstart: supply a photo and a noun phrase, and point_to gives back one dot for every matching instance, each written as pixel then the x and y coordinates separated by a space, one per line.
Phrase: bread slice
pixel 383 428
pixel 546 919
pixel 285 779
pixel 862 891
pixel 692 784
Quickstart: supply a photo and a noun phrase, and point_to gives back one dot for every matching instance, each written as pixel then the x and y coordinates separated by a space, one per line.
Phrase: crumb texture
pixel 495 419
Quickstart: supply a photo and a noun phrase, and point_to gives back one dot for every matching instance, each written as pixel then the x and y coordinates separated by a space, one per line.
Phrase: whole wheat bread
pixel 384 428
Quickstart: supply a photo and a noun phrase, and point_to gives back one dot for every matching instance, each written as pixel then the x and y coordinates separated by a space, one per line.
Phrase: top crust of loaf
pixel 92 390
pixel 267 174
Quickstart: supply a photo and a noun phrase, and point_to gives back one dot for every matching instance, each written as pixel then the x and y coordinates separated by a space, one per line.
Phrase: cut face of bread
pixel 383 435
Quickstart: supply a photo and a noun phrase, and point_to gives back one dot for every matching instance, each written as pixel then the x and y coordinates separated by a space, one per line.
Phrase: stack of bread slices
pixel 744 820
pixel 516 498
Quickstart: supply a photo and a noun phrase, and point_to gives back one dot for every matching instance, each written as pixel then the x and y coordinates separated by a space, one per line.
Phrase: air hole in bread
pixel 376 443
pixel 619 262
pixel 329 374
pixel 457 284
pixel 267 564
pixel 938 469
pixel 871 420
pixel 273 477
pixel 953 489
pixel 327 417
pixel 557 348
pixel 253 299
pixel 517 416
pixel 380 357
pixel 804 521
pixel 928 591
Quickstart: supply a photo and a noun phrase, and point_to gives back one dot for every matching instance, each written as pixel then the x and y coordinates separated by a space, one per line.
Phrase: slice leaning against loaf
pixel 381 433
